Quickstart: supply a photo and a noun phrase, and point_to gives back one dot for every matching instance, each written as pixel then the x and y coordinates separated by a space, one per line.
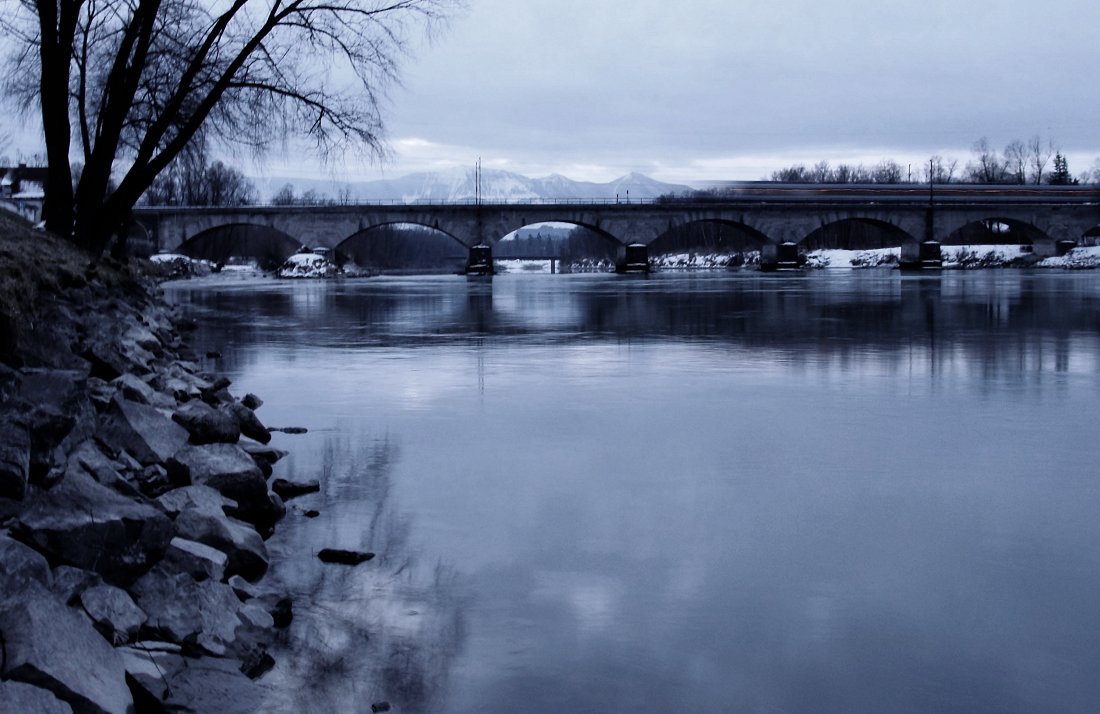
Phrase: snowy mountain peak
pixel 460 183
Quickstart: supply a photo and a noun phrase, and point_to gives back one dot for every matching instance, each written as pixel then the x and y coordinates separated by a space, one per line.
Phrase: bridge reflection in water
pixel 1023 318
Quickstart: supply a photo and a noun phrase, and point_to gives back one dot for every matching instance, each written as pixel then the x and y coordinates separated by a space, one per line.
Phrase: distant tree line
pixel 1032 162
pixel 190 180
pixel 285 196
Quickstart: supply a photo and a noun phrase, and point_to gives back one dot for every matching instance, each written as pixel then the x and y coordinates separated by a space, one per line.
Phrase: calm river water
pixel 839 492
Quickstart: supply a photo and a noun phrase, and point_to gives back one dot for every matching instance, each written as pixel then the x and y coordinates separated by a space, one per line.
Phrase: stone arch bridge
pixel 1051 217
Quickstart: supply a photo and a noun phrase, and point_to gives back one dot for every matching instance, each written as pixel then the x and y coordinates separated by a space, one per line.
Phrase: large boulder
pixel 206 684
pixel 20 697
pixel 141 430
pixel 19 566
pixel 52 646
pixel 264 455
pixel 135 389
pixel 250 424
pixel 198 560
pixel 200 516
pixel 81 523
pixel 229 470
pixel 113 613
pixel 188 612
pixel 207 425
pixel 59 414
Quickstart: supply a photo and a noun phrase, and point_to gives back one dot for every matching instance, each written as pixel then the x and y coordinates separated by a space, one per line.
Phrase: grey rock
pixel 60 416
pixel 245 590
pixel 200 498
pixel 196 559
pixel 143 337
pixel 152 480
pixel 250 424
pixel 92 460
pixel 257 616
pixel 134 389
pixel 141 430
pixel 244 549
pixel 69 583
pixel 50 645
pixel 15 458
pixel 81 523
pixel 18 697
pixel 20 565
pixel 206 684
pixel 256 663
pixel 200 515
pixel 344 557
pixel 265 456
pixel 231 471
pixel 207 425
pixel 113 612
pixel 187 612
pixel 252 401
pixel 292 489
pixel 99 392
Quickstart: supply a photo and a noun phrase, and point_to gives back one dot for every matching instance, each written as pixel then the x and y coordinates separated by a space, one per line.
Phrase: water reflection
pixel 844 492
pixel 998 323
pixel 386 630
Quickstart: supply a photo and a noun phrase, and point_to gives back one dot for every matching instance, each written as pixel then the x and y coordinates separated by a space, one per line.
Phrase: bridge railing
pixel 426 202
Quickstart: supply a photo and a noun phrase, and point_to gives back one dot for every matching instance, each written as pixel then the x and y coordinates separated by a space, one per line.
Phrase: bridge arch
pixel 398 246
pixel 996 230
pixel 730 241
pixel 856 233
pixel 1091 236
pixel 268 246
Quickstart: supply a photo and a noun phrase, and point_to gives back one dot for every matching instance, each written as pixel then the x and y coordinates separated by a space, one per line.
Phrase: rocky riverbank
pixel 134 500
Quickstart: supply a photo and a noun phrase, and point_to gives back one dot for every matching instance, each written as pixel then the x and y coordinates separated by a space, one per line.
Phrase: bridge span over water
pixel 774 214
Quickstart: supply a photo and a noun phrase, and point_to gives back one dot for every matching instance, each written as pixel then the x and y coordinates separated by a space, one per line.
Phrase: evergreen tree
pixel 1060 176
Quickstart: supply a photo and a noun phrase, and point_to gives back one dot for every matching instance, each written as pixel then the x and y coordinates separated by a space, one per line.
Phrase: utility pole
pixel 931 199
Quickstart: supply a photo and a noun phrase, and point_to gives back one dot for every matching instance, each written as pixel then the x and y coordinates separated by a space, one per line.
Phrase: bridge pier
pixel 779 256
pixel 480 260
pixel 633 258
pixel 925 255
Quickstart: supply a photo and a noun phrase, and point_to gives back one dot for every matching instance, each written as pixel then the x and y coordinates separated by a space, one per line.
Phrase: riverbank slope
pixel 134 500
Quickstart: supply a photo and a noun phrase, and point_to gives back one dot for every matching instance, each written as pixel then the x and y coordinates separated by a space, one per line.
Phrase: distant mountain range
pixel 459 184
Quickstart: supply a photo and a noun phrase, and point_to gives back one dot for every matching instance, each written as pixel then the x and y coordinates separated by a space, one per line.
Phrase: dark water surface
pixel 844 492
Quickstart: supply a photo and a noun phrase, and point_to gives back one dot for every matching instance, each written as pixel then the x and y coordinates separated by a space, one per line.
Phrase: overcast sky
pixel 699 90
pixel 713 89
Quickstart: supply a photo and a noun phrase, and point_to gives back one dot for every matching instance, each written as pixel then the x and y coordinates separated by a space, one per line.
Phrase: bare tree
pixel 987 167
pixel 1016 161
pixel 792 174
pixel 941 170
pixel 886 171
pixel 137 80
pixel 1038 157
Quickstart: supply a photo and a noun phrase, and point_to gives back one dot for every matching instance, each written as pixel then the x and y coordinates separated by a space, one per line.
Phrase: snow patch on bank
pixel 1083 258
pixel 838 258
pixel 703 261
pixel 306 265
pixel 986 256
